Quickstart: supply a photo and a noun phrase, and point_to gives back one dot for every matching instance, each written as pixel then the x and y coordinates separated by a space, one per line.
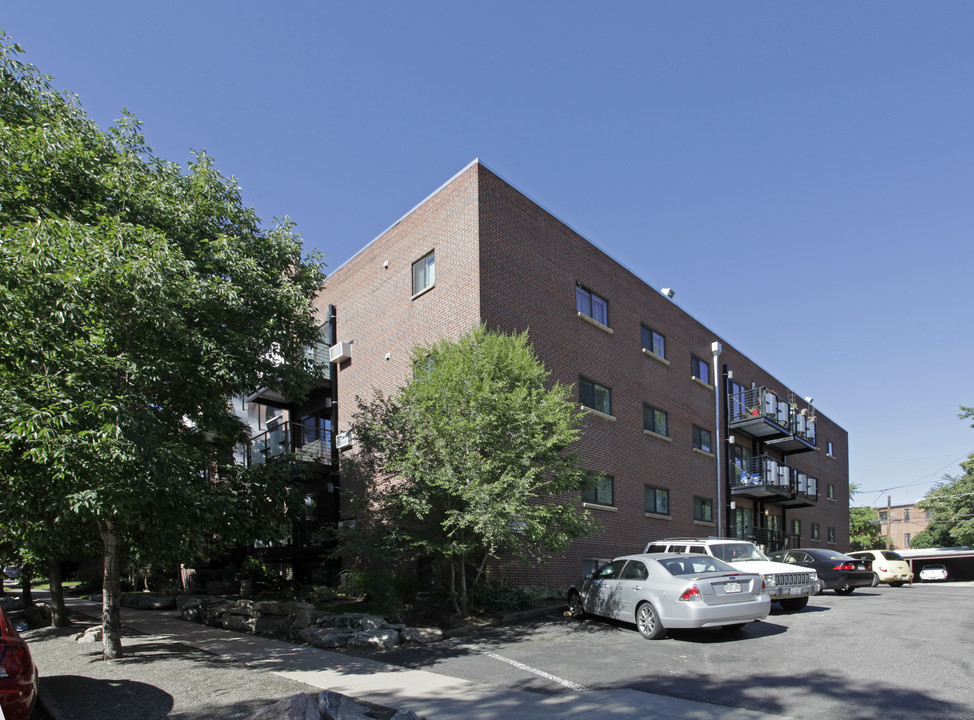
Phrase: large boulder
pixel 296 707
pixel 326 638
pixel 383 638
pixel 422 635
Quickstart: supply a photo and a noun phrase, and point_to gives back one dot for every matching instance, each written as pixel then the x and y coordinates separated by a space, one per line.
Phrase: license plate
pixel 732 587
pixel 797 591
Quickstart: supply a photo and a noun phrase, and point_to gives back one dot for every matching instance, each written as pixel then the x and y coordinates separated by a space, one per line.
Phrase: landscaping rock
pixel 296 707
pixel 335 706
pixel 91 635
pixel 422 635
pixel 326 638
pixel 375 639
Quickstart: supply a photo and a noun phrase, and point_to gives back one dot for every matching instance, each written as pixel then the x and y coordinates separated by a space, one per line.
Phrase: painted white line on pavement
pixel 540 673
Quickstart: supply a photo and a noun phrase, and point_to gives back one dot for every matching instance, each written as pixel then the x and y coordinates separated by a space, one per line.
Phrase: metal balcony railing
pixel 309 443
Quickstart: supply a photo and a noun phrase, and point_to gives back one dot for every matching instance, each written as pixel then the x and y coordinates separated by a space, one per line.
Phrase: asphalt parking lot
pixel 880 653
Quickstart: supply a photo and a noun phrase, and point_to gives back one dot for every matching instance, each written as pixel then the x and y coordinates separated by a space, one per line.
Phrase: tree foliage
pixel 138 296
pixel 951 505
pixel 471 460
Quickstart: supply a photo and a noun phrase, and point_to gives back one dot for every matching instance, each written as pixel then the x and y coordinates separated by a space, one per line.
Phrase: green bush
pixel 496 597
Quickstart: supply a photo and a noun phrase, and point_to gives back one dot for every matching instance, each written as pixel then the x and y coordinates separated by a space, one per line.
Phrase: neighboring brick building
pixel 479 251
pixel 907 521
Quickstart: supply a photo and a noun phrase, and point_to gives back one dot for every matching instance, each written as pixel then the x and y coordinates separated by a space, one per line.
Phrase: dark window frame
pixel 648 333
pixel 421 273
pixel 650 418
pixel 591 487
pixel 654 506
pixel 698 433
pixel 587 395
pixel 700 369
pixel 587 301
pixel 703 509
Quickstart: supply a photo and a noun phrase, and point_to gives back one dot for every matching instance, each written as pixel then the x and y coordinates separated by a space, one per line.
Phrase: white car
pixel 788 585
pixel 665 591
pixel 930 573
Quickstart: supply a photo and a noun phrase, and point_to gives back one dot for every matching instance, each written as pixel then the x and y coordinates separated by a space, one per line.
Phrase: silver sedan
pixel 661 591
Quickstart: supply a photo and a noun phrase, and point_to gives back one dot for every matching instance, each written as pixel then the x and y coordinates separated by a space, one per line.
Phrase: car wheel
pixel 875 580
pixel 896 584
pixel 647 621
pixel 794 604
pixel 575 605
pixel 844 590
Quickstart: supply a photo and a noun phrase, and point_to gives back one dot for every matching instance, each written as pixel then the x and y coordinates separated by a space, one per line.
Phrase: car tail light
pixel 14 660
pixel 845 566
pixel 691 593
pixel 882 569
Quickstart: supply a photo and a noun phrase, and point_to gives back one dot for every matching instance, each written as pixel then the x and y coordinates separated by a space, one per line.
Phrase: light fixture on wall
pixel 669 292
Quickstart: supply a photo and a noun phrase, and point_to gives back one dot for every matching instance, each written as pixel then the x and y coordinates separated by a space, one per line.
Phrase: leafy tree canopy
pixel 951 505
pixel 472 459
pixel 138 296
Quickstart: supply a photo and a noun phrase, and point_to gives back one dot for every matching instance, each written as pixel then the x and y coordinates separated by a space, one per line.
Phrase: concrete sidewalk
pixel 428 694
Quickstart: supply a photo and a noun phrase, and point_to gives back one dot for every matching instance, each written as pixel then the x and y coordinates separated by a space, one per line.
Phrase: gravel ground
pixel 155 678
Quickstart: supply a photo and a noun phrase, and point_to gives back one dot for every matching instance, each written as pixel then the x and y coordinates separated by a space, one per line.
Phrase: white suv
pixel 786 586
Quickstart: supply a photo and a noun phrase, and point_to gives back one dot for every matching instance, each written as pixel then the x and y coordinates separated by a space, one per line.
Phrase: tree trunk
pixel 26 596
pixel 59 611
pixel 453 588
pixel 464 604
pixel 111 605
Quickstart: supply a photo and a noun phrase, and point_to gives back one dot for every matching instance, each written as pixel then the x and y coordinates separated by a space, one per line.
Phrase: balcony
pixel 758 412
pixel 309 443
pixel 764 479
pixel 803 490
pixel 801 436
pixel 318 354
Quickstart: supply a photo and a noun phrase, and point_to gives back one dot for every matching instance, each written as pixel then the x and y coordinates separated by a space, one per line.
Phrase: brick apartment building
pixel 679 441
pixel 902 523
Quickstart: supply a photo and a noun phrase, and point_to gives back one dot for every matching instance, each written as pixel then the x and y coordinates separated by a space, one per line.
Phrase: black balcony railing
pixel 309 443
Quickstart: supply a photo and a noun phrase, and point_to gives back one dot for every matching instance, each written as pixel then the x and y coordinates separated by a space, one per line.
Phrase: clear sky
pixel 800 173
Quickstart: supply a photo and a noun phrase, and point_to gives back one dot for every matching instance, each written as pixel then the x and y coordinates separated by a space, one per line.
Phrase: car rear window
pixel 889 555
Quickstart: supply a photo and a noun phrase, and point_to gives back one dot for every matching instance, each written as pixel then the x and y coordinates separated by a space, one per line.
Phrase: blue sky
pixel 800 173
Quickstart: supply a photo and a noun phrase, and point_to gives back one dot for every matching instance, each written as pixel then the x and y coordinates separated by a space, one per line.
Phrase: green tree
pixel 138 297
pixel 865 530
pixel 471 460
pixel 951 505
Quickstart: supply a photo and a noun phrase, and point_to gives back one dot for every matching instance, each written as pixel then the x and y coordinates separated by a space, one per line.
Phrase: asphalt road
pixel 878 654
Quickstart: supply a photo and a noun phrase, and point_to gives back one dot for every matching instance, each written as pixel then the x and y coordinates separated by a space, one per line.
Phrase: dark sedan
pixel 835 571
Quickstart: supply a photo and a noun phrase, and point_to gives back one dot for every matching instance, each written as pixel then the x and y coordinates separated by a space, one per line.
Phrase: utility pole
pixel 889 521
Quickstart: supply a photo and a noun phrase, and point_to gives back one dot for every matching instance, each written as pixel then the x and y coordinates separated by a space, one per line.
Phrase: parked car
pixel 887 566
pixel 11 571
pixel 786 586
pixel 18 673
pixel 665 591
pixel 930 573
pixel 835 571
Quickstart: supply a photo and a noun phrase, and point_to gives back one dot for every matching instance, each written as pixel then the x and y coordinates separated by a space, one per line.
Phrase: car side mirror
pixel 589 576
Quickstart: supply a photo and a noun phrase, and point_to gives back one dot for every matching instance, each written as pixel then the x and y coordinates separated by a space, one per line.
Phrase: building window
pixel 882 516
pixel 815 531
pixel 424 273
pixel 592 305
pixel 654 342
pixel 906 515
pixel 703 509
pixel 597 488
pixel 654 420
pixel 830 452
pixel 740 465
pixel 906 539
pixel 700 369
pixel 796 528
pixel 832 535
pixel 595 396
pixel 701 439
pixel 831 491
pixel 657 500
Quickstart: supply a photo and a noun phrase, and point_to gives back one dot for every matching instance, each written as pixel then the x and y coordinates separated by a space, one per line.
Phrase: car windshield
pixel 736 552
pixel 694 565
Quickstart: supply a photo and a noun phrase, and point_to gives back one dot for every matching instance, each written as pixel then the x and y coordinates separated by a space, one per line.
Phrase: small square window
pixel 424 273
pixel 597 488
pixel 700 369
pixel 654 342
pixel 594 396
pixel 654 420
pixel 592 305
pixel 703 509
pixel 657 500
pixel 701 439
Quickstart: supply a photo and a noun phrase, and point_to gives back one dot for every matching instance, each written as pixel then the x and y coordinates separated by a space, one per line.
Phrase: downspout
pixel 716 349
